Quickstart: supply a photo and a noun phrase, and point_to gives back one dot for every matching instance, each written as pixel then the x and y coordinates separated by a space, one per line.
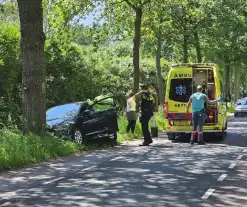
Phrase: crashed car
pixel 81 121
pixel 240 108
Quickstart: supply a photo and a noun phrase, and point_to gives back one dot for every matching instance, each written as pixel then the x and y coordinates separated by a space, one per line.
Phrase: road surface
pixel 164 174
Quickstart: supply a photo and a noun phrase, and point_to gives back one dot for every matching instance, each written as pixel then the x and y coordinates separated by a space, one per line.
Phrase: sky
pixel 88 21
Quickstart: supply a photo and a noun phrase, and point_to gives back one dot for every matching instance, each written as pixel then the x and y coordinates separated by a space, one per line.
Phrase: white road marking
pixel 222 177
pixel 232 165
pixel 245 150
pixel 208 193
pixel 239 157
pixel 117 158
pixel 89 168
pixel 52 181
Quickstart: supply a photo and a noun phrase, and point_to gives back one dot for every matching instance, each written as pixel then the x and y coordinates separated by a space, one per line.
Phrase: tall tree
pixel 34 73
pixel 226 38
pixel 157 28
pixel 138 7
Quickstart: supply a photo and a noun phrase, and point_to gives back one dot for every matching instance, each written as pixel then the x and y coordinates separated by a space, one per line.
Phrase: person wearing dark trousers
pixel 131 126
pixel 154 126
pixel 131 113
pixel 147 100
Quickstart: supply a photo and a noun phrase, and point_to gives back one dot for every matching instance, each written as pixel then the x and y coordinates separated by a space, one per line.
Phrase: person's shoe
pixel 201 143
pixel 143 144
pixel 192 142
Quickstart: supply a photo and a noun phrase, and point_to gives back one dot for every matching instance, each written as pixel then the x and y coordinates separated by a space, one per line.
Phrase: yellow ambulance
pixel 181 84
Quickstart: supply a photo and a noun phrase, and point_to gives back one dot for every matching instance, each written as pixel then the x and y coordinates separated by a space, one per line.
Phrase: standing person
pixel 146 113
pixel 198 113
pixel 131 113
pixel 154 126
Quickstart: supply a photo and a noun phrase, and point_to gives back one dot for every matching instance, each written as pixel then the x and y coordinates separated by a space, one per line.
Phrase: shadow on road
pixel 148 176
pixel 236 135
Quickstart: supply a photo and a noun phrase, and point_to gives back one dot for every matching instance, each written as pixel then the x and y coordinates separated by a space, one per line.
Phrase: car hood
pixel 63 122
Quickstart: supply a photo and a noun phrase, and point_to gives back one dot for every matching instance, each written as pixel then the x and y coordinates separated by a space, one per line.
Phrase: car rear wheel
pixel 78 137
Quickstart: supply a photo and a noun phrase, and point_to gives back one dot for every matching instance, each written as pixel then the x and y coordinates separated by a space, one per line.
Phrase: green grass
pixel 17 150
pixel 122 123
pixel 230 108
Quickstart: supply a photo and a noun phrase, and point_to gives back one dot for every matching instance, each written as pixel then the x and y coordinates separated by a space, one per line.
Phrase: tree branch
pixel 129 3
pixel 145 2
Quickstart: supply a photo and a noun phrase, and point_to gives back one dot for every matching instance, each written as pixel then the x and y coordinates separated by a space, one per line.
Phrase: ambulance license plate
pixel 181 123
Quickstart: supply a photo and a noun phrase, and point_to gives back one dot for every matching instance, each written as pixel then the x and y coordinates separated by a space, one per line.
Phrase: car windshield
pixel 63 111
pixel 181 89
pixel 241 102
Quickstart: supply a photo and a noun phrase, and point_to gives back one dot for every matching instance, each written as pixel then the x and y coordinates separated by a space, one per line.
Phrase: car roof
pixel 77 103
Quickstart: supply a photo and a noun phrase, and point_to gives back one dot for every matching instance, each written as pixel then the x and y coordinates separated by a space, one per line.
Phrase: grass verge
pixel 230 108
pixel 17 150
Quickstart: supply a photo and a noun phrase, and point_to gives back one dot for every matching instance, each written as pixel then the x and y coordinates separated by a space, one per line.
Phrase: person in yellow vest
pixel 105 103
pixel 131 113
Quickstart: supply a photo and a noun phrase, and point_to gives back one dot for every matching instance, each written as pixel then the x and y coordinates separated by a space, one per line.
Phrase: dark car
pixel 80 121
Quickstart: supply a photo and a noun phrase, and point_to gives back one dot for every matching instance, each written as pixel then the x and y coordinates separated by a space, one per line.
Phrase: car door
pixel 88 120
pixel 106 112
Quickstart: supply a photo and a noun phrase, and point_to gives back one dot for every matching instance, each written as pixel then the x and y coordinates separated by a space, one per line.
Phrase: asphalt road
pixel 164 174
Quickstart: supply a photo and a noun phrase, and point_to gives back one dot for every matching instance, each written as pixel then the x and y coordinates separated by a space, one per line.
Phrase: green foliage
pixel 17 150
pixel 122 123
pixel 230 108
pixel 81 61
pixel 10 69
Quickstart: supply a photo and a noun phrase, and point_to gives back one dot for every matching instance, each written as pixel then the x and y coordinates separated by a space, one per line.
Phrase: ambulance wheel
pixel 171 136
pixel 225 129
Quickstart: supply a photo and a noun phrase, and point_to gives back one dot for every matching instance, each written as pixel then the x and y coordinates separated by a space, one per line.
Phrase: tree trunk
pixel 185 48
pixel 227 78
pixel 136 48
pixel 198 46
pixel 236 83
pixel 158 70
pixel 245 82
pixel 34 74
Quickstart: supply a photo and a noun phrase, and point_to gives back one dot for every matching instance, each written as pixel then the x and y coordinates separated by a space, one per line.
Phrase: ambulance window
pixel 181 89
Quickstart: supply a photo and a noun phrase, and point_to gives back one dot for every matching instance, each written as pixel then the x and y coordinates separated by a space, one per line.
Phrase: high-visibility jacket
pixel 104 104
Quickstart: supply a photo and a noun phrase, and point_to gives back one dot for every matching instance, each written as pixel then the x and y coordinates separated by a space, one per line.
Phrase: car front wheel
pixel 78 137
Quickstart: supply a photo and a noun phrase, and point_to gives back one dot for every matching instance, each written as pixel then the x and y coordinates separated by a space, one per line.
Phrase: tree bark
pixel 136 48
pixel 237 83
pixel 227 78
pixel 158 70
pixel 198 46
pixel 185 48
pixel 245 83
pixel 34 74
